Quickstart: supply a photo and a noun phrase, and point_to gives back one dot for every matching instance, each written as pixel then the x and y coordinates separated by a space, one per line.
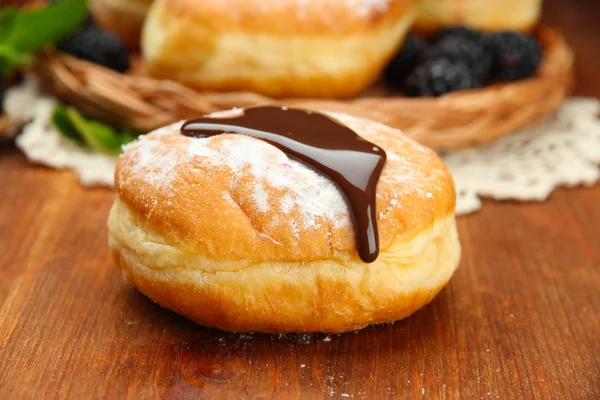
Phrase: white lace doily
pixel 43 144
pixel 563 149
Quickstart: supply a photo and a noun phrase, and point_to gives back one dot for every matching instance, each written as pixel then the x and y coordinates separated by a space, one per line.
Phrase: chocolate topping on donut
pixel 322 143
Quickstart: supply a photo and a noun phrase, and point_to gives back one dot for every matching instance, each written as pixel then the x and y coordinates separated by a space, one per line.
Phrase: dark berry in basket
pixel 516 56
pixel 98 46
pixel 463 32
pixel 474 54
pixel 413 52
pixel 439 76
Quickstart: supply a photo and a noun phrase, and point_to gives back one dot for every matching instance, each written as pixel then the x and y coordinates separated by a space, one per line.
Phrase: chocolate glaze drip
pixel 321 143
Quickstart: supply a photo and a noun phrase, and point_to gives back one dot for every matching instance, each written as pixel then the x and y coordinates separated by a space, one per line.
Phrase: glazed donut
pixel 283 48
pixel 519 15
pixel 230 232
pixel 123 17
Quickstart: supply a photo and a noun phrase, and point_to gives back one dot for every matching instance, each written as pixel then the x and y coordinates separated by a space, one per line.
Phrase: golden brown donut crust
pixel 209 208
pixel 335 295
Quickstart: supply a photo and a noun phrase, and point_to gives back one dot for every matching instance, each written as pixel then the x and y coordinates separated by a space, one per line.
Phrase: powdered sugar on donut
pixel 153 161
pixel 366 7
pixel 314 195
pixel 304 8
pixel 361 8
pixel 277 183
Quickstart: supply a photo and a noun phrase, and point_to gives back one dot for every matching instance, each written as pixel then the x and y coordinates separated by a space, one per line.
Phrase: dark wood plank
pixel 520 319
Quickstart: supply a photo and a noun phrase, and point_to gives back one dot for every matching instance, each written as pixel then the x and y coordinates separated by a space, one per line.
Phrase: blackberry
pixel 515 55
pixel 463 32
pixel 475 55
pixel 439 76
pixel 413 52
pixel 98 46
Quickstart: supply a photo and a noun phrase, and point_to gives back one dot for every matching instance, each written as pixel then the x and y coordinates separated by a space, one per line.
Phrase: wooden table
pixel 520 319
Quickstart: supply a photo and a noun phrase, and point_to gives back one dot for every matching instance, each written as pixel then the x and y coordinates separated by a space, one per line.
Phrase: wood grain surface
pixel 520 319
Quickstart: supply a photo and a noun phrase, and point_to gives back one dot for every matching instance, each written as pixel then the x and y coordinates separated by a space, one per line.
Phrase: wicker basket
pixel 449 122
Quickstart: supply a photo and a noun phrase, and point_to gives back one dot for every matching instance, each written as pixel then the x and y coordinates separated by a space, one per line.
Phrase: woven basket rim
pixel 452 121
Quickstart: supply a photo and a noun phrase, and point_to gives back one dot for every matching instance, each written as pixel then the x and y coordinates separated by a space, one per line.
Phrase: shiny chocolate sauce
pixel 321 143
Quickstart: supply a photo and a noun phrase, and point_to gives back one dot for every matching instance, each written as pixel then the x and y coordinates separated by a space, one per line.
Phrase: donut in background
pixel 283 48
pixel 486 15
pixel 123 17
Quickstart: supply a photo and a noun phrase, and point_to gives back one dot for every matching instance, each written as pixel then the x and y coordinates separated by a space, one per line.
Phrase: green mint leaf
pixel 127 137
pixel 61 121
pixel 97 136
pixel 85 132
pixel 35 29
pixel 8 18
pixel 11 59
